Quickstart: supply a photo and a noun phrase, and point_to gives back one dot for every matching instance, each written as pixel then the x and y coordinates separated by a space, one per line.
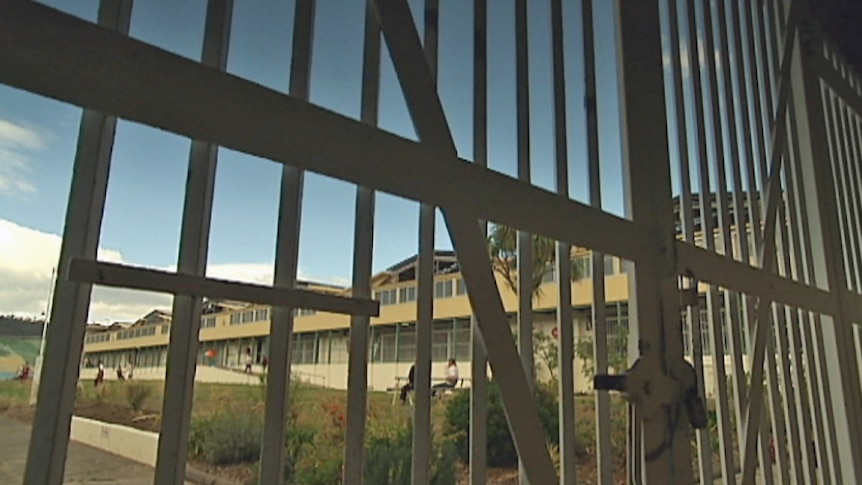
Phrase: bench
pixel 401 381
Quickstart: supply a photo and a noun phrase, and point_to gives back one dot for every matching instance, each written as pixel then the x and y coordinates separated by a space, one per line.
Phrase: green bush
pixel 320 462
pixel 137 393
pixel 501 449
pixel 226 437
pixel 389 458
pixel 297 441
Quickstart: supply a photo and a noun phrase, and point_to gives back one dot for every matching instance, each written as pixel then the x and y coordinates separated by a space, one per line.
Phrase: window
pixel 98 337
pixel 582 268
pixel 386 297
pixel 208 322
pixel 236 318
pixel 261 314
pixel 338 347
pixel 248 316
pixel 166 329
pixel 443 289
pixel 386 339
pixel 407 294
pixel 406 343
pixel 610 267
pixel 461 340
pixel 304 348
pixel 550 275
pixel 460 286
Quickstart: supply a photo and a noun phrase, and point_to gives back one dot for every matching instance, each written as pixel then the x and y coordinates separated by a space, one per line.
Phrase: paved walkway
pixel 84 465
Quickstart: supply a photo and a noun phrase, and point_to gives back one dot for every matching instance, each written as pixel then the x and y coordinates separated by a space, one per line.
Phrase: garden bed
pixel 320 412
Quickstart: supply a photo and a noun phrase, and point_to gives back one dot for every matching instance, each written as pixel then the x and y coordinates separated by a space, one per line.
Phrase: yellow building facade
pixel 231 330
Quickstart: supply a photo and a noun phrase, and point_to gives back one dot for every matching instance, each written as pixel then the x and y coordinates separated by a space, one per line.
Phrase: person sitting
pixel 411 382
pixel 452 378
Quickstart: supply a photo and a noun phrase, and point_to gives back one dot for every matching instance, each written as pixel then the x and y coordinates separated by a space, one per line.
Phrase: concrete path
pixel 84 465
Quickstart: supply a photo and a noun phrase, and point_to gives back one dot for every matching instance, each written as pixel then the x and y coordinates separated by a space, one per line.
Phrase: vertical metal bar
pixel 855 175
pixel 193 251
pixel 49 439
pixel 761 334
pixel 667 450
pixel 797 388
pixel 818 177
pixel 851 196
pixel 835 142
pixel 713 299
pixel 525 253
pixel 363 240
pixel 731 299
pixel 771 186
pixel 425 293
pixel 479 357
pixel 739 102
pixel 525 239
pixel 752 77
pixel 827 446
pixel 604 453
pixel 286 263
pixel 704 442
pixel 565 318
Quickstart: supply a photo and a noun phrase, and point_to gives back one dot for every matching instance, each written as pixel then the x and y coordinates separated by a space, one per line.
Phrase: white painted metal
pixel 826 244
pixel 479 356
pixel 654 295
pixel 49 439
pixel 297 133
pixel 433 130
pixel 811 255
pixel 425 277
pixel 820 385
pixel 118 275
pixel 525 246
pixel 707 228
pixel 286 265
pixel 363 241
pixel 598 310
pixel 194 248
pixel 565 316
pixel 692 313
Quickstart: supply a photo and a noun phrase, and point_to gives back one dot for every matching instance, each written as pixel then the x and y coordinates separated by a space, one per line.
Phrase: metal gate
pixel 741 142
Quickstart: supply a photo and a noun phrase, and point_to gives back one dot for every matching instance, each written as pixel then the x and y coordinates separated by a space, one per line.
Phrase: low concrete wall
pixel 133 444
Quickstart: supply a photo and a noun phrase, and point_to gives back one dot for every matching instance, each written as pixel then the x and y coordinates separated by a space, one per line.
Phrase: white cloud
pixel 17 144
pixel 27 257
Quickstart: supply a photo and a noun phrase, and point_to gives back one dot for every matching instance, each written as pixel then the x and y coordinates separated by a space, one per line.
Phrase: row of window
pixel 137 332
pixel 258 315
pixel 582 269
pixel 97 337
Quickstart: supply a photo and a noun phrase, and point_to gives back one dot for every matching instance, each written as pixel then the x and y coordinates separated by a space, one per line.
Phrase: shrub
pixel 226 437
pixel 389 458
pixel 297 440
pixel 137 393
pixel 501 449
pixel 320 463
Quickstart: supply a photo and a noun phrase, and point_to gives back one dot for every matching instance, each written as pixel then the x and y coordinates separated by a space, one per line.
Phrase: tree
pixel 618 352
pixel 503 246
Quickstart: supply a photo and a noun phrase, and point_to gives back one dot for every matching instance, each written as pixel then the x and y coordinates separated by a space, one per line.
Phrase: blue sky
pixel 145 195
